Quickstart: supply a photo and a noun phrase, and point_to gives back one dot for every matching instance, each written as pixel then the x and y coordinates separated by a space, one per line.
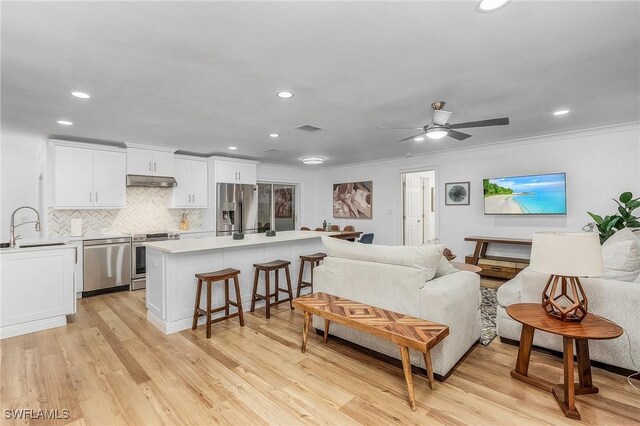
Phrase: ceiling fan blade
pixel 482 123
pixel 441 117
pixel 458 135
pixel 401 128
pixel 411 137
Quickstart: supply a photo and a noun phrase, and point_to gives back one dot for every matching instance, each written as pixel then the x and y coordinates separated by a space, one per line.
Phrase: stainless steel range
pixel 139 258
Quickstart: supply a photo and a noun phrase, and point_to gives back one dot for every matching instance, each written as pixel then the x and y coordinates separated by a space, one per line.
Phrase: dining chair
pixel 319 229
pixel 366 239
pixel 349 228
pixel 304 228
pixel 335 228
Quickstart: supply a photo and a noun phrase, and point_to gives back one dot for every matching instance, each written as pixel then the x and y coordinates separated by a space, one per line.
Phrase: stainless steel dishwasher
pixel 107 265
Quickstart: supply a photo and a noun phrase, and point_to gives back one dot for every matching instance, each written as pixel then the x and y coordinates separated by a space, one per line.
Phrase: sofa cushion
pixel 510 292
pixel 621 254
pixel 426 258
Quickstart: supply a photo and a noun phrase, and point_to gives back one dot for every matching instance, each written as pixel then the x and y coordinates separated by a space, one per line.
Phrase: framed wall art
pixel 353 200
pixel 456 193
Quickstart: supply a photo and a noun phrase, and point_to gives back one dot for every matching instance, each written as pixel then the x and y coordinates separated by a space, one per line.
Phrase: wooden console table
pixel 403 330
pixel 497 266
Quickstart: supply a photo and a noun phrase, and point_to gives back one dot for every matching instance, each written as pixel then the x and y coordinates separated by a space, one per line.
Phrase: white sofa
pixel 615 297
pixel 452 299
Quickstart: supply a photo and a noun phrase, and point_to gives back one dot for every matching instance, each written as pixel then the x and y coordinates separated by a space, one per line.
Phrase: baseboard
pixel 32 326
pixel 608 367
pixel 396 362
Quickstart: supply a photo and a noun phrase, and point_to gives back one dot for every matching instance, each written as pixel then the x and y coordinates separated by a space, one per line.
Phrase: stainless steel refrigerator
pixel 236 209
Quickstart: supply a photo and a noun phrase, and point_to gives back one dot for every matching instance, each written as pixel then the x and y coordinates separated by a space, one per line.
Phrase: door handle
pixel 193 197
pixel 149 165
pixel 96 196
pixel 154 166
pixel 189 197
pixel 90 196
pixel 239 175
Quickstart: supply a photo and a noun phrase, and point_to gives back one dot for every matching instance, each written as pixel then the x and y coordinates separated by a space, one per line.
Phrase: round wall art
pixel 456 194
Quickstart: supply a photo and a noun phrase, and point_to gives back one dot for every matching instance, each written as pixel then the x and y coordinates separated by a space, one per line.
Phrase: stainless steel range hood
pixel 151 181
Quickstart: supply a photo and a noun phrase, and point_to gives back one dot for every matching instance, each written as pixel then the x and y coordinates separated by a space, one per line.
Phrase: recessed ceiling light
pixel 274 135
pixel 233 148
pixel 419 139
pixel 81 95
pixel 285 94
pixel 65 122
pixel 486 6
pixel 561 112
pixel 312 160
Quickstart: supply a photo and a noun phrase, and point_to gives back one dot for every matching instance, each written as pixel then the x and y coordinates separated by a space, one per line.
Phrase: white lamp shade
pixel 572 254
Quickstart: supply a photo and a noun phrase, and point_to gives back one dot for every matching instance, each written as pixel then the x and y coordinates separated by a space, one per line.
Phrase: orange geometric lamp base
pixel 563 298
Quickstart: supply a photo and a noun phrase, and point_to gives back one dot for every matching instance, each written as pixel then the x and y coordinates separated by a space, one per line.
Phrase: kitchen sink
pixel 40 245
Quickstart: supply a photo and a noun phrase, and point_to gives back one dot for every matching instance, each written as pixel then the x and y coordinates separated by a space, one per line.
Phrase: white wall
pixel 22 161
pixel 600 164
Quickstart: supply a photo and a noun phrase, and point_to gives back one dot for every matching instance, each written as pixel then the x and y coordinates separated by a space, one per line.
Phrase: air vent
pixel 272 151
pixel 309 128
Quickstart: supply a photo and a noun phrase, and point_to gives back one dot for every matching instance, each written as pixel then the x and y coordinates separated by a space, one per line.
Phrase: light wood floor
pixel 110 366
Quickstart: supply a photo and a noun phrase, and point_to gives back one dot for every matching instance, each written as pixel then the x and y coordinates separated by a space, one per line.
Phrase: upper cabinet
pixel 236 171
pixel 88 176
pixel 192 177
pixel 149 162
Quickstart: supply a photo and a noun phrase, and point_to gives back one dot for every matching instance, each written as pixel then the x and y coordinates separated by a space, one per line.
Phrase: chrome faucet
pixel 12 230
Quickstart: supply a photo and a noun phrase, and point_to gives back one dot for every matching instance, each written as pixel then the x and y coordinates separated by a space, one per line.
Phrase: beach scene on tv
pixel 536 194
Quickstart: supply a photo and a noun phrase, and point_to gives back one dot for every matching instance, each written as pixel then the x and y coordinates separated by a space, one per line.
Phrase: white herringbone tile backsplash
pixel 146 211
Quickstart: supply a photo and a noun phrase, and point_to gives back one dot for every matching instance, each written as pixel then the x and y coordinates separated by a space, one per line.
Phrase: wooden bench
pixel 403 330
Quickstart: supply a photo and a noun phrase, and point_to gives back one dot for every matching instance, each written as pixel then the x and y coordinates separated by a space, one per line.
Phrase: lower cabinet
pixel 37 291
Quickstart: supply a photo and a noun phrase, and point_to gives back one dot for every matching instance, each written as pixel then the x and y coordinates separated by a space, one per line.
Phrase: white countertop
pixel 215 243
pixel 193 231
pixel 19 249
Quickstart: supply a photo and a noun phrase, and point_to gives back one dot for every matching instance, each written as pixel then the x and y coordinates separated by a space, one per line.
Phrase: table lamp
pixel 565 256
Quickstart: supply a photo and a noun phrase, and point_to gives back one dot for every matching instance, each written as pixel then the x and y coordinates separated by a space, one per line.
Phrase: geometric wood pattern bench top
pixel 403 330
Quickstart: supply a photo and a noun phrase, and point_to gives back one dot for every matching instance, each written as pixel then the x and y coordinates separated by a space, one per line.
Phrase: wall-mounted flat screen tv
pixel 526 195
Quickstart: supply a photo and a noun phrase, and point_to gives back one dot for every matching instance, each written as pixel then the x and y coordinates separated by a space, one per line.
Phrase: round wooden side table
pixel 533 317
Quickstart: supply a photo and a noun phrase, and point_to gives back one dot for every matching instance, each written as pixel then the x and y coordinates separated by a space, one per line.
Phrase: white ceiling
pixel 202 76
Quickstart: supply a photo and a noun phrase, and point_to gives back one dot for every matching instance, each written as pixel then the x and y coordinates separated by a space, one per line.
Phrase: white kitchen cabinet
pixel 231 171
pixel 37 289
pixel 147 162
pixel 109 179
pixel 88 176
pixel 192 177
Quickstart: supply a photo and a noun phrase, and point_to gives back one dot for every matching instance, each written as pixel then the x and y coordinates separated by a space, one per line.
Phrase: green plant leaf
pixel 623 212
pixel 625 197
pixel 612 223
pixel 595 217
pixel 633 224
pixel 632 205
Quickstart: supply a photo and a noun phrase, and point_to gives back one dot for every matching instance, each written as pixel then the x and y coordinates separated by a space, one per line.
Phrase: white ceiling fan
pixel 439 126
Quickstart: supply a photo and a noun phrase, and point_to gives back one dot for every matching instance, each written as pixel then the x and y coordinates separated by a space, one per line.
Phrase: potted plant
pixel 608 225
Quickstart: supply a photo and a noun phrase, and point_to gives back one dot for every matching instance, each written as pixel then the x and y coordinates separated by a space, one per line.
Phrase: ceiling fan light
pixel 487 6
pixel 436 134
pixel 312 160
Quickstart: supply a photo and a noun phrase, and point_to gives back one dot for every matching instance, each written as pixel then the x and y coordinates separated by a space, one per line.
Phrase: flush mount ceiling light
pixel 561 112
pixel 65 122
pixel 284 94
pixel 419 139
pixel 81 95
pixel 274 135
pixel 233 148
pixel 312 160
pixel 486 6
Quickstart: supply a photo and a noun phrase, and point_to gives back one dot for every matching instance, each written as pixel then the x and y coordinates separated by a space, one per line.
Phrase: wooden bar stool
pixel 210 278
pixel 314 260
pixel 275 266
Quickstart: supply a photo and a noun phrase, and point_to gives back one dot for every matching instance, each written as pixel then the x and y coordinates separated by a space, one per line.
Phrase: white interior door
pixel 426 208
pixel 413 230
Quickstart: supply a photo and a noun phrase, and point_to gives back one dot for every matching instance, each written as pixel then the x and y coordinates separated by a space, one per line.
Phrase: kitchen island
pixel 172 265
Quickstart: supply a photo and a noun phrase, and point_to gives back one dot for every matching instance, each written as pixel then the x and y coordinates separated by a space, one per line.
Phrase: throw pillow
pixel 426 258
pixel 621 255
pixel 445 268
